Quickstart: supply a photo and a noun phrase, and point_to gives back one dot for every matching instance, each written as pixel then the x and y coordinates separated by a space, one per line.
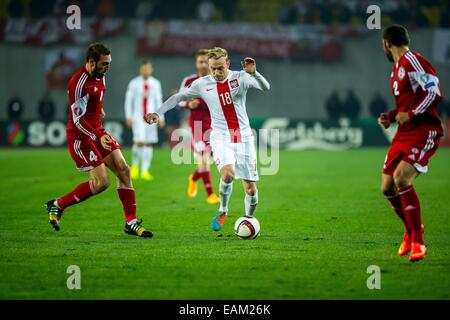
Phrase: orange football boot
pixel 213 199
pixel 418 251
pixel 405 247
pixel 192 187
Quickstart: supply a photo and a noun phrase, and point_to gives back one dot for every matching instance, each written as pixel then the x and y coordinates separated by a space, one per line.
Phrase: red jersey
pixel 416 90
pixel 198 114
pixel 86 95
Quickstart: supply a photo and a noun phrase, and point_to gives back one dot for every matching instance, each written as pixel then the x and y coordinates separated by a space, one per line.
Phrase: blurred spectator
pixel 378 105
pixel 144 9
pixel 15 108
pixel 205 11
pixel 59 8
pixel 286 14
pixel 46 108
pixel 351 105
pixel 333 106
pixel 105 9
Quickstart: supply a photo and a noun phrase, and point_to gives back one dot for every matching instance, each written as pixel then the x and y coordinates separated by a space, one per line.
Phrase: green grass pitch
pixel 323 222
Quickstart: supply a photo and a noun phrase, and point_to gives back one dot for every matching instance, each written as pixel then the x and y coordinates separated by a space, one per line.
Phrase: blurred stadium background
pixel 322 61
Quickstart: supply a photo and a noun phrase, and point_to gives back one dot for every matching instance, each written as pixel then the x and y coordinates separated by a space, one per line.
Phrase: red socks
pixel 411 210
pixel 128 198
pixel 197 174
pixel 86 189
pixel 206 177
pixel 80 193
pixel 397 206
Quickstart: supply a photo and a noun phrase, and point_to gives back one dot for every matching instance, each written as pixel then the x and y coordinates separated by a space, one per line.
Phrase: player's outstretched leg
pixel 98 183
pixel 225 189
pixel 251 197
pixel 404 177
pixel 127 195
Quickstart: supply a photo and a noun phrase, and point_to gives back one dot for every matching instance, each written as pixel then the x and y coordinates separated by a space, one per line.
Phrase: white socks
pixel 225 190
pixel 250 203
pixel 147 155
pixel 136 151
pixel 142 155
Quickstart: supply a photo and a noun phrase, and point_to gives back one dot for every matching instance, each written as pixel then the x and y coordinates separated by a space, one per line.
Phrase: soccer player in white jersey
pixel 231 139
pixel 144 95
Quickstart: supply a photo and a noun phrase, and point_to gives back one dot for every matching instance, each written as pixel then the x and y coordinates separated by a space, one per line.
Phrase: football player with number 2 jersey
pixel 417 93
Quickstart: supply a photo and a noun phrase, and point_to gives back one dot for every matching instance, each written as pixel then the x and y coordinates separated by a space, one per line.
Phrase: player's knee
pixel 228 176
pixel 251 190
pixel 401 179
pixel 101 183
pixel 387 190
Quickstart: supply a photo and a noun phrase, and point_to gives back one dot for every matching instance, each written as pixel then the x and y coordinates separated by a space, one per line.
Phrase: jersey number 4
pixel 395 87
pixel 92 156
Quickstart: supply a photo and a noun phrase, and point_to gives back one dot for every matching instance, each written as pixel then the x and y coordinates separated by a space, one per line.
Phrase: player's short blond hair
pixel 217 53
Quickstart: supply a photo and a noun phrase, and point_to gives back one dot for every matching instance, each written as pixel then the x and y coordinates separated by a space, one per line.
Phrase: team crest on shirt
pixel 401 73
pixel 234 84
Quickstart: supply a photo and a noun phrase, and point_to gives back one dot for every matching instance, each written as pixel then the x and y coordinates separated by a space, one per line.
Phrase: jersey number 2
pixel 395 87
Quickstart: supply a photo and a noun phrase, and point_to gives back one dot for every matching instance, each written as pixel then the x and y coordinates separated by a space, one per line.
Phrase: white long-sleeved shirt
pixel 226 101
pixel 142 97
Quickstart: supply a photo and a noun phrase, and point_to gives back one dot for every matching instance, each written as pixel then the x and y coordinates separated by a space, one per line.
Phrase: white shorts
pixel 144 132
pixel 242 155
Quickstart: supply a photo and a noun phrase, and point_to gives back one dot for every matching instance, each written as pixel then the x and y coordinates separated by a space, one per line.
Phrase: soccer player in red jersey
pixel 417 93
pixel 91 147
pixel 200 123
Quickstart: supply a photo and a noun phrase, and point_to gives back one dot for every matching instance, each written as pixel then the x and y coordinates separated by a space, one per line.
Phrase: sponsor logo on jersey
pixel 234 84
pixel 401 73
pixel 209 89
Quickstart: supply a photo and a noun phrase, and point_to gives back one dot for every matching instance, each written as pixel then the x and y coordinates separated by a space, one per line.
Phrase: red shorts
pixel 415 149
pixel 87 153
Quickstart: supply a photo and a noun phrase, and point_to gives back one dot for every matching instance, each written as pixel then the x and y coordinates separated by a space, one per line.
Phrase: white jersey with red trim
pixel 142 97
pixel 226 102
